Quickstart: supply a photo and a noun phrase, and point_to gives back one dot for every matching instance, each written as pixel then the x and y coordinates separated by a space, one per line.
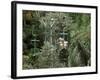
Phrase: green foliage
pixel 80 35
pixel 45 27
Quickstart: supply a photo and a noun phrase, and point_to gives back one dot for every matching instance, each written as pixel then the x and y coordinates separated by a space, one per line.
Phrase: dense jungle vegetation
pixel 56 39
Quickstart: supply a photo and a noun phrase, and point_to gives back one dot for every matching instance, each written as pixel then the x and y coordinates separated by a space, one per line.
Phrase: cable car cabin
pixel 62 43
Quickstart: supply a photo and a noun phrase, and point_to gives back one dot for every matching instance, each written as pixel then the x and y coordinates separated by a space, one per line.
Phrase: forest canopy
pixel 56 39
